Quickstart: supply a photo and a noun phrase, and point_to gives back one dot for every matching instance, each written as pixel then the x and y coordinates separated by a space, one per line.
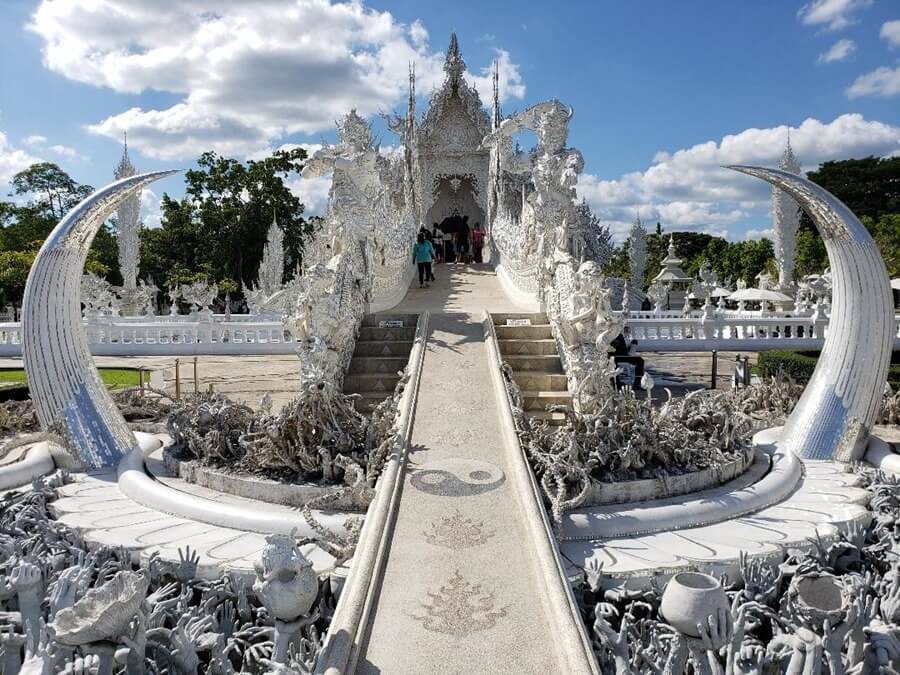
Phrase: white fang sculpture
pixel 65 386
pixel 838 406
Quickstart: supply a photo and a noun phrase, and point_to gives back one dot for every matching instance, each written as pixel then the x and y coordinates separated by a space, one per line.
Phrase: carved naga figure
pixel 549 211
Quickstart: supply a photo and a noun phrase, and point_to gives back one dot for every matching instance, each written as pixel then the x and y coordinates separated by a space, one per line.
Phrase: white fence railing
pixel 244 334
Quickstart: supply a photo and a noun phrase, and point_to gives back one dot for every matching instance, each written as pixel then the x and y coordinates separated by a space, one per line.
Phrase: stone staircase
pixel 530 351
pixel 381 353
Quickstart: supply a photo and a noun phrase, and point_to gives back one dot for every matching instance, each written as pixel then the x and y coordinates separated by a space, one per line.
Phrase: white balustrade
pixel 247 334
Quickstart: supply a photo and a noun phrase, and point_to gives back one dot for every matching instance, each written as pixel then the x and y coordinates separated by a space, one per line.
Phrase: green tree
pixel 50 188
pixel 869 186
pixel 886 232
pixel 219 228
pixel 44 194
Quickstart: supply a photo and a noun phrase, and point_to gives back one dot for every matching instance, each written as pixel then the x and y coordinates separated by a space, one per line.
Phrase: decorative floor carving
pixel 458 532
pixel 460 608
pixel 457 477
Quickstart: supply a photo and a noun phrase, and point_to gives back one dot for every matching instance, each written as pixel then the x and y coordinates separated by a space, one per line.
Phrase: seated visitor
pixel 621 350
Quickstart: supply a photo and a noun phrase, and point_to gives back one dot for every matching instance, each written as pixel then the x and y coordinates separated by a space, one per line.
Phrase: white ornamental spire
pixel 785 220
pixel 128 225
pixel 637 255
pixel 271 269
pixel 496 116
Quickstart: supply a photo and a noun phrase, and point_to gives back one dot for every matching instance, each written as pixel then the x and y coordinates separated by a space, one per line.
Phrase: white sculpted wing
pixel 841 400
pixel 65 385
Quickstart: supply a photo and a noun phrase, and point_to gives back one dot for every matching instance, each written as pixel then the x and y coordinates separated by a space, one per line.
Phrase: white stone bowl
pixel 690 598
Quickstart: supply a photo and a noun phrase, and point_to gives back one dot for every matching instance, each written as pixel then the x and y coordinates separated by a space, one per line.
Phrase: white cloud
pixel 247 72
pixel 882 81
pixel 34 140
pixel 12 160
pixel 839 51
pixel 510 80
pixel 689 189
pixel 890 31
pixel 313 192
pixel 151 209
pixel 831 14
pixel 418 34
pixel 759 234
pixel 66 152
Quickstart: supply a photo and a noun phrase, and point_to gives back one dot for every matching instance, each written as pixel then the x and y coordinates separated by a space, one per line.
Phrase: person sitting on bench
pixel 621 350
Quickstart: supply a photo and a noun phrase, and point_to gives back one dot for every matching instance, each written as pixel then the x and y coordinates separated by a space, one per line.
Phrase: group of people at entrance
pixel 451 241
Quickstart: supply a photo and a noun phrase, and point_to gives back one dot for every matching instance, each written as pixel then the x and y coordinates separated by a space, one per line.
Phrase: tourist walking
pixel 437 240
pixel 462 246
pixel 448 245
pixel 477 243
pixel 423 255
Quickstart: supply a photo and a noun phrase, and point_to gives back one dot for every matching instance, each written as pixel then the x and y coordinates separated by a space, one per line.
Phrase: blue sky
pixel 664 91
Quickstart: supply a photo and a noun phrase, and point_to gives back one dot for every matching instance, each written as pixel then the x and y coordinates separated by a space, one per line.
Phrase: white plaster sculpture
pixel 288 587
pixel 65 385
pixel 96 295
pixel 839 405
pixel 200 295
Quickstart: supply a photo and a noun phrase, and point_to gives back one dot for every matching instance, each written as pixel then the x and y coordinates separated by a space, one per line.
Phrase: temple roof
pixel 455 87
pixel 671 270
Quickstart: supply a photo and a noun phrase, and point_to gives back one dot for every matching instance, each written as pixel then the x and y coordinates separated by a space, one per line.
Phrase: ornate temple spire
pixel 789 161
pixel 128 226
pixel 496 115
pixel 454 65
pixel 125 167
pixel 411 102
pixel 637 238
pixel 785 220
pixel 271 268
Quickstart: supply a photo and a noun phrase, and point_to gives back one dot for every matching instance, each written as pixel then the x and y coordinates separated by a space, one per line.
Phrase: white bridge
pixel 247 334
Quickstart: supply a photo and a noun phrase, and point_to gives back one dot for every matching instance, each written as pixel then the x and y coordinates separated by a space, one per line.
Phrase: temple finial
pixel 454 64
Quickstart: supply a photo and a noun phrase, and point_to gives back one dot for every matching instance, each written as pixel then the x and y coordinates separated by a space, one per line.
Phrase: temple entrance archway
pixel 455 195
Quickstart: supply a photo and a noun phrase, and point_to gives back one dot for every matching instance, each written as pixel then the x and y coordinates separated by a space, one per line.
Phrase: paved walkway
pixel 460 592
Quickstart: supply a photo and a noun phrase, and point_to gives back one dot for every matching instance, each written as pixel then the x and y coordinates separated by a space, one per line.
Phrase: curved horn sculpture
pixel 65 385
pixel 838 406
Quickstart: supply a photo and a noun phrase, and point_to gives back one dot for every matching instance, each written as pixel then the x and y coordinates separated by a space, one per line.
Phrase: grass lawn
pixel 114 378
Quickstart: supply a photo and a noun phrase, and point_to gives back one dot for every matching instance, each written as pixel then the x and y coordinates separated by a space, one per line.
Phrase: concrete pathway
pixel 460 592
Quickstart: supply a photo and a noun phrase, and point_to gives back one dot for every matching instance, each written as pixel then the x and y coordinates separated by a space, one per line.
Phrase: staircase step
pixel 373 333
pixel 526 332
pixel 364 383
pixel 539 400
pixel 382 348
pixel 534 380
pixel 544 363
pixel 537 319
pixel 522 347
pixel 377 364
pixel 373 320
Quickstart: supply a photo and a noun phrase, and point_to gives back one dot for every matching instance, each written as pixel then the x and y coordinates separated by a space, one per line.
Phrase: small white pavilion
pixel 671 274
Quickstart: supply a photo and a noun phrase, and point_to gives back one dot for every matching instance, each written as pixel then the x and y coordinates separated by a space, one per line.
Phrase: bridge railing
pixel 247 334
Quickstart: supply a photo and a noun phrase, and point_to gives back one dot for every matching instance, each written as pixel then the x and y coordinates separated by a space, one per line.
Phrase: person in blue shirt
pixel 423 255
